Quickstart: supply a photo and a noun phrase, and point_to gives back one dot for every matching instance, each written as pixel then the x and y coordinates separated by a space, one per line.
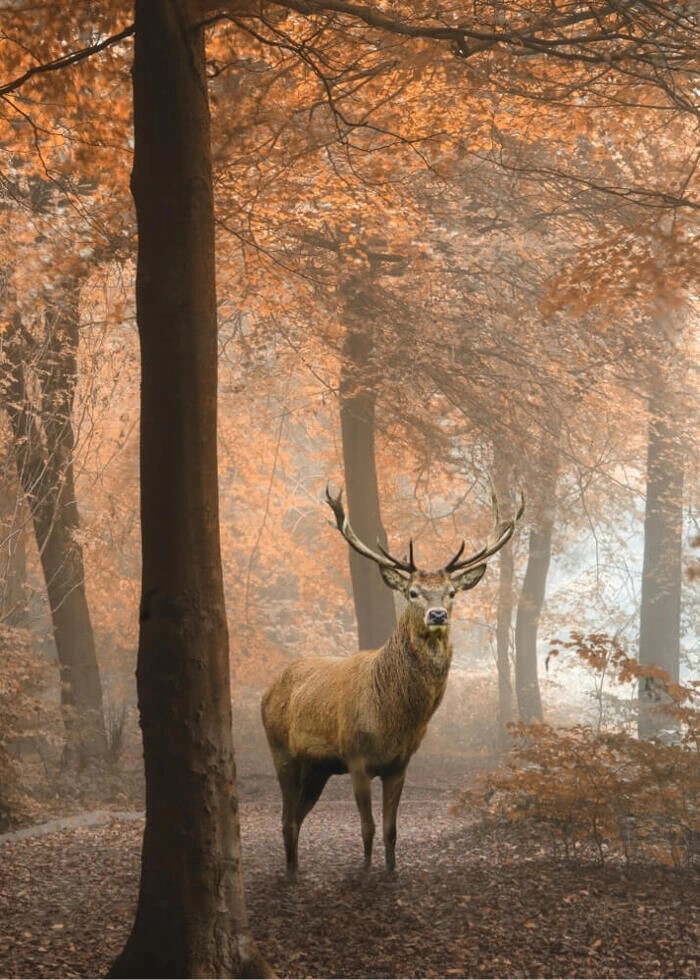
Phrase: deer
pixel 366 714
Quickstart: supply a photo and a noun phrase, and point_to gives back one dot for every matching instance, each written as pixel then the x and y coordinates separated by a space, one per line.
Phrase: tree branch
pixel 66 60
pixel 541 36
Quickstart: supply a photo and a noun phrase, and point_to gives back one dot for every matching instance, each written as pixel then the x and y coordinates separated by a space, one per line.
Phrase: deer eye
pixel 413 592
pixel 452 592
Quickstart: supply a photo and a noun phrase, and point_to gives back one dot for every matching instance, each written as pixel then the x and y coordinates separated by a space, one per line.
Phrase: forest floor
pixel 462 903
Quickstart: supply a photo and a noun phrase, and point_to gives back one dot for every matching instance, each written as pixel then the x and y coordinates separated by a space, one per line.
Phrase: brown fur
pixel 370 709
pixel 365 714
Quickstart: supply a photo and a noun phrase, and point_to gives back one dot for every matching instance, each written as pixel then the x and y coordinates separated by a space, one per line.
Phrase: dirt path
pixel 458 906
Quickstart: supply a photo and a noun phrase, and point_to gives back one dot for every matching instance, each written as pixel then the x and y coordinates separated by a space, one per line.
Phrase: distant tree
pixel 359 384
pixel 645 292
pixel 504 611
pixel 39 388
pixel 662 569
pixel 532 593
pixel 13 553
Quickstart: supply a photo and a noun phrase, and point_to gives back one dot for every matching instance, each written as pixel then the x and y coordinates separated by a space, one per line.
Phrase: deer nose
pixel 436 617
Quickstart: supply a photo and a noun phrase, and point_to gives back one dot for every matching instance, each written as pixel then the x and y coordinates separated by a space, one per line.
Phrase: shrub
pixel 605 793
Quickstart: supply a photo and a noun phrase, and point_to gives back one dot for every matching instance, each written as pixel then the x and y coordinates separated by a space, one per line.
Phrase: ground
pixel 461 904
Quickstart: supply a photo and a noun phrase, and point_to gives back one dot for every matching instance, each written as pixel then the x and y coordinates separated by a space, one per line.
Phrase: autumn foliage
pixel 21 681
pixel 508 214
pixel 589 792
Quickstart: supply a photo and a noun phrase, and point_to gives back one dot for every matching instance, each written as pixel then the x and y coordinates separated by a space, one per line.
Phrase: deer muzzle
pixel 436 617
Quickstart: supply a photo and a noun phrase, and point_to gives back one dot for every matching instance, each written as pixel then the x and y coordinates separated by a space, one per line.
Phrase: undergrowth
pixel 591 792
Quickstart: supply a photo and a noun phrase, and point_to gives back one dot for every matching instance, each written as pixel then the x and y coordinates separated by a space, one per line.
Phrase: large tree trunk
pixel 374 603
pixel 191 918
pixel 660 615
pixel 532 596
pixel 44 445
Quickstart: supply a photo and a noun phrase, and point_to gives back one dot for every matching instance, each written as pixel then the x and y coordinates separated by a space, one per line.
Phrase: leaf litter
pixel 460 904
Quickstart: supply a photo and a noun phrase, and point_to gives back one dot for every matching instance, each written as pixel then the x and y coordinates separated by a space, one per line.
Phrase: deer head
pixel 430 593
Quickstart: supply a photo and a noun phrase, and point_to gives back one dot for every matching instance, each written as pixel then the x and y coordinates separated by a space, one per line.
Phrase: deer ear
pixel 393 578
pixel 469 578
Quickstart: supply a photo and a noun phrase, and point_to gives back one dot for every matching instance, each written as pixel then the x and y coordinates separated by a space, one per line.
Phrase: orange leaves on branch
pixel 606 654
pixel 630 268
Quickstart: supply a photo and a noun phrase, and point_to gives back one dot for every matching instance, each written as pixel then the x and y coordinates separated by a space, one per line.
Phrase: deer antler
pixel 384 559
pixel 501 533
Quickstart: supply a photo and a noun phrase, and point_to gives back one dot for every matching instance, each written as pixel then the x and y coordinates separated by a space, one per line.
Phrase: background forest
pixel 443 257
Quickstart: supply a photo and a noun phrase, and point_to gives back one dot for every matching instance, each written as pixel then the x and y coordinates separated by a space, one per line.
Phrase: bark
pixel 660 615
pixel 44 445
pixel 191 918
pixel 374 604
pixel 532 596
pixel 14 609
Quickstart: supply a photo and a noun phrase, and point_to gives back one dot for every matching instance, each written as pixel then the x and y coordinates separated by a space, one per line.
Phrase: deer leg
pixel 302 783
pixel 289 776
pixel 392 787
pixel 311 788
pixel 362 787
pixel 290 832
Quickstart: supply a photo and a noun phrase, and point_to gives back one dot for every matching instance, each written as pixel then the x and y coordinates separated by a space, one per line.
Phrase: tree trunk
pixel 14 609
pixel 191 918
pixel 532 597
pixel 660 615
pixel 504 618
pixel 374 603
pixel 44 459
pixel 504 611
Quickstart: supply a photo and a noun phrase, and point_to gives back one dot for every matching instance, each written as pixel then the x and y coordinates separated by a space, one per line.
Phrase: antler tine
pixel 450 565
pixel 336 505
pixel 501 533
pixel 405 566
pixel 345 528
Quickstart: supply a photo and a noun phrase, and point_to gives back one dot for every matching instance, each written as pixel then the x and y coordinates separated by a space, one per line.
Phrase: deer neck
pixel 415 647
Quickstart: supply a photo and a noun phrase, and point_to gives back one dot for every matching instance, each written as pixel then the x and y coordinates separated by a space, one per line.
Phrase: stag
pixel 367 714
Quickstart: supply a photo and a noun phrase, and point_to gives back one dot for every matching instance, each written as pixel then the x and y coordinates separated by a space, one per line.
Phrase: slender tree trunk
pixel 504 619
pixel 526 623
pixel 44 457
pixel 504 612
pixel 374 604
pixel 81 688
pixel 191 918
pixel 660 615
pixel 532 595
